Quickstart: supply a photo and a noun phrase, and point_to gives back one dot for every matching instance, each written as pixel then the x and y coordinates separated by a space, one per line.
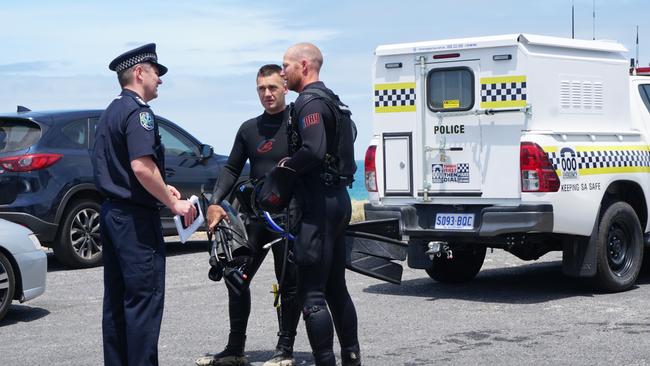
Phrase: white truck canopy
pixel 499 41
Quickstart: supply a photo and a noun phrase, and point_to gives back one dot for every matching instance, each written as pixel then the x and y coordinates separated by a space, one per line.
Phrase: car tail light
pixel 537 172
pixel 29 162
pixel 371 170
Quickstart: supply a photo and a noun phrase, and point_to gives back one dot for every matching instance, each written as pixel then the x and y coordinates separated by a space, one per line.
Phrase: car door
pixel 185 169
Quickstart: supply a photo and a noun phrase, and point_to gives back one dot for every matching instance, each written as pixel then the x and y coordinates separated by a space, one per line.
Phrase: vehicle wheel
pixel 7 285
pixel 78 243
pixel 462 267
pixel 619 251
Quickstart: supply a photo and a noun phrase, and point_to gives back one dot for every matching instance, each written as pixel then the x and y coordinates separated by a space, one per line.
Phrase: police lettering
pixel 448 130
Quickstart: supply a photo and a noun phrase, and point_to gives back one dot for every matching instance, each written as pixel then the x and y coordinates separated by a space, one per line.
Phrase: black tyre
pixel 619 248
pixel 462 267
pixel 7 285
pixel 78 244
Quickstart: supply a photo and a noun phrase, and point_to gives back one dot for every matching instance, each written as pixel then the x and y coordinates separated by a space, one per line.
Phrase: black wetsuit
pixel 319 249
pixel 262 141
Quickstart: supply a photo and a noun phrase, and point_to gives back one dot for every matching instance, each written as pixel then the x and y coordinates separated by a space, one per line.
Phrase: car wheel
pixel 7 285
pixel 79 244
pixel 462 267
pixel 619 248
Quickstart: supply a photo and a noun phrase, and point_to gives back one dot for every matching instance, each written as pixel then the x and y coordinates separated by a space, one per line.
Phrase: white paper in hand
pixel 185 232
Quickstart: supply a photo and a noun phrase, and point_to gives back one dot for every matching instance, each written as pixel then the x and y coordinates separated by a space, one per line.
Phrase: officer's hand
pixel 174 192
pixel 186 209
pixel 215 214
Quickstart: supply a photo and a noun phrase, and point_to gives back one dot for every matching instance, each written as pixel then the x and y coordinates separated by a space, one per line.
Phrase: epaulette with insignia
pixel 140 101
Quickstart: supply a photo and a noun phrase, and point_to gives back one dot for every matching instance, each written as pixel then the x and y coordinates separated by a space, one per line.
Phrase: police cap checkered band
pixel 146 53
pixel 135 60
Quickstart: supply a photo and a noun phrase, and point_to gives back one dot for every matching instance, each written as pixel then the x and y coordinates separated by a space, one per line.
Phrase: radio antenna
pixel 637 46
pixel 594 20
pixel 573 33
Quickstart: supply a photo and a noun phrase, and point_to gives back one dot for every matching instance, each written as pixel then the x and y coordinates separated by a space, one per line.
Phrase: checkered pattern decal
pixel 607 161
pixel 462 172
pixel 395 97
pixel 503 92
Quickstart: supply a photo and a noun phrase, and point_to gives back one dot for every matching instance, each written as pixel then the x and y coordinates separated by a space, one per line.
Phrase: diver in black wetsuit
pixel 319 249
pixel 263 141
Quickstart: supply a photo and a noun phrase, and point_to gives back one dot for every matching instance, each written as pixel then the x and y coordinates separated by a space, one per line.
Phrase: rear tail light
pixel 537 172
pixel 27 163
pixel 371 170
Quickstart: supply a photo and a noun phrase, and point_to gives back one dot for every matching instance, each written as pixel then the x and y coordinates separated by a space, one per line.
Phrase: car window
pixel 644 90
pixel 450 89
pixel 76 132
pixel 18 135
pixel 175 143
pixel 92 121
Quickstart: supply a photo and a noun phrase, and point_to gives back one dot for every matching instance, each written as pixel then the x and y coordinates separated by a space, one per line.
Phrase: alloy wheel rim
pixel 84 234
pixel 4 284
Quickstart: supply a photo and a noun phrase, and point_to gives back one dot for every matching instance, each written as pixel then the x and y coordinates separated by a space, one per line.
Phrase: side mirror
pixel 206 152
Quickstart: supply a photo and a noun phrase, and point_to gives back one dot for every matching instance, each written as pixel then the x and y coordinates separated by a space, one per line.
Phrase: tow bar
pixel 438 248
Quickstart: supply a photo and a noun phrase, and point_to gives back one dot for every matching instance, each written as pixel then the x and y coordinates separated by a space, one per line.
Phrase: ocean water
pixel 358 191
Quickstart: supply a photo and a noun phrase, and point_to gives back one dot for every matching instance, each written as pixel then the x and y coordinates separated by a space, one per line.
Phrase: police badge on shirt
pixel 146 121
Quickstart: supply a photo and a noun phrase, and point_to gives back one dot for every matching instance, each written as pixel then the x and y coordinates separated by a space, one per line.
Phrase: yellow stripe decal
pixel 613 148
pixel 391 86
pixel 404 108
pixel 627 169
pixel 504 104
pixel 503 79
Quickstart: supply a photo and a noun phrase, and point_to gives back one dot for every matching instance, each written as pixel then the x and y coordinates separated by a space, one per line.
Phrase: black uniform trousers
pixel 134 283
pixel 320 255
pixel 239 306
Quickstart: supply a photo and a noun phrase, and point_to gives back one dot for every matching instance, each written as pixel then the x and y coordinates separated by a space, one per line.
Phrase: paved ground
pixel 514 313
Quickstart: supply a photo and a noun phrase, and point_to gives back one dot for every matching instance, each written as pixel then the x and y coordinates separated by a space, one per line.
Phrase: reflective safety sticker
pixel 394 97
pixel 455 173
pixel 503 92
pixel 452 103
pixel 574 162
pixel 146 120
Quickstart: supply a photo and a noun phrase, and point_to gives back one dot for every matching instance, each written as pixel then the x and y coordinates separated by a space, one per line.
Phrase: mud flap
pixel 579 255
pixel 372 247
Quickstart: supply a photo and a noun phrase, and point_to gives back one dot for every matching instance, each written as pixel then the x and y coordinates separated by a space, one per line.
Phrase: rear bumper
pixel 417 221
pixel 44 231
pixel 493 225
pixel 33 271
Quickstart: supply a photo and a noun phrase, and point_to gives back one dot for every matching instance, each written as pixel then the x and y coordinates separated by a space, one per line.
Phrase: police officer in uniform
pixel 263 141
pixel 319 249
pixel 128 162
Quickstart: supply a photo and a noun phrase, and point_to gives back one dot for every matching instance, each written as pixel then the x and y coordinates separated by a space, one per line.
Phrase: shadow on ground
pixel 302 358
pixel 23 314
pixel 524 284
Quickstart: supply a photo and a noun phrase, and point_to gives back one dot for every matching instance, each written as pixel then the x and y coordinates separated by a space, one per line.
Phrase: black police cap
pixel 146 53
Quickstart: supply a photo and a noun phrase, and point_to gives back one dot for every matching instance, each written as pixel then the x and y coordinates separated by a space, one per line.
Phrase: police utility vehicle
pixel 522 142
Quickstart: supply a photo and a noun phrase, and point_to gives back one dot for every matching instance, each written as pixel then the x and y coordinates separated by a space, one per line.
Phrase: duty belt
pixel 128 202
pixel 335 180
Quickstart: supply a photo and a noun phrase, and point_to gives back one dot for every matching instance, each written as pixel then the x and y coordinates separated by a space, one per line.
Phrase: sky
pixel 55 54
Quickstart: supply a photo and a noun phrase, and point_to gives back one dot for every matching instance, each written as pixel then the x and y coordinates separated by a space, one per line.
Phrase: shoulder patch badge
pixel 311 120
pixel 146 120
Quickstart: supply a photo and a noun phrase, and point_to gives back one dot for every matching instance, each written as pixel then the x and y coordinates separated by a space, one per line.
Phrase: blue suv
pixel 46 177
